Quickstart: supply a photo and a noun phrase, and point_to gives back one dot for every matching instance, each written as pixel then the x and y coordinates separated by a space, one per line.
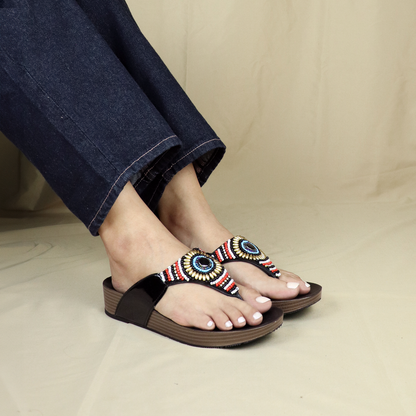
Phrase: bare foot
pixel 137 245
pixel 185 212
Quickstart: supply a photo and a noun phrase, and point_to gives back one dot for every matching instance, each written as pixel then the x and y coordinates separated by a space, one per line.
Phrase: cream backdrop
pixel 316 101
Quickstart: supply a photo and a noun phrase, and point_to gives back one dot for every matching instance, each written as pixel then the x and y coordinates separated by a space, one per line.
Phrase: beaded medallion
pixel 198 267
pixel 239 248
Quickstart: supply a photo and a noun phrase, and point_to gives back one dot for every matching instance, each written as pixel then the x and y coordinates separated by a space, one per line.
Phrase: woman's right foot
pixel 138 244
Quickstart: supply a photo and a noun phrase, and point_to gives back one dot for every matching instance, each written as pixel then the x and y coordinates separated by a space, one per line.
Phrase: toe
pixel 235 315
pixel 201 321
pixel 255 299
pixel 284 290
pixel 288 277
pixel 288 286
pixel 252 315
pixel 222 320
pixel 255 319
pixel 241 313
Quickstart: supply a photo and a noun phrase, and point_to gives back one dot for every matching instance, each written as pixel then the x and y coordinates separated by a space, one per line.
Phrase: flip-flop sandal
pixel 137 305
pixel 240 249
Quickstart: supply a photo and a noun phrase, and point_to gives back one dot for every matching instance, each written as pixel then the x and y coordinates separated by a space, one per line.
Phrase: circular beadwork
pixel 198 267
pixel 239 248
pixel 249 248
pixel 246 249
pixel 203 264
pixel 201 267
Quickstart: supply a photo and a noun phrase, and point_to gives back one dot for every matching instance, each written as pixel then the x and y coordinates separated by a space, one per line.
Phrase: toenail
pixel 262 299
pixel 292 285
pixel 257 315
pixel 209 324
pixel 241 320
pixel 228 324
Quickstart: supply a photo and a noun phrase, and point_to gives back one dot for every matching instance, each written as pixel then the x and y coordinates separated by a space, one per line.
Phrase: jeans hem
pixel 207 155
pixel 136 166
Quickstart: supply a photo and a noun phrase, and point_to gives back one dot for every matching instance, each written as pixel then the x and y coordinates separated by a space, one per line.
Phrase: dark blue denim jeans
pixel 86 98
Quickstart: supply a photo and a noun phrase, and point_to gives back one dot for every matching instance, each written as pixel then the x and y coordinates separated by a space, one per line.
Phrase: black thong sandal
pixel 240 249
pixel 137 305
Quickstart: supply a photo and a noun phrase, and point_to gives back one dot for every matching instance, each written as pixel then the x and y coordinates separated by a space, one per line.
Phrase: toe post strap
pixel 239 248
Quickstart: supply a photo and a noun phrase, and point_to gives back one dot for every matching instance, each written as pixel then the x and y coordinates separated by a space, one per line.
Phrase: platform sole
pixel 300 302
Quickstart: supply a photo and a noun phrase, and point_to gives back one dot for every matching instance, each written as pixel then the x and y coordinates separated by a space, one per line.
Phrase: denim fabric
pixel 87 99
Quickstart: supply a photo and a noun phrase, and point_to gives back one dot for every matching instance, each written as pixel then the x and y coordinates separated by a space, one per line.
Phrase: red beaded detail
pixel 240 248
pixel 198 267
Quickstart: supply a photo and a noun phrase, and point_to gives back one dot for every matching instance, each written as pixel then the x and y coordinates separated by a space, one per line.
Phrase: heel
pixel 111 297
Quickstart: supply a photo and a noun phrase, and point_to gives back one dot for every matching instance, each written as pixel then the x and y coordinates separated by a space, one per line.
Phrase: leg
pixel 71 107
pixel 138 244
pixel 92 106
pixel 185 212
pixel 76 112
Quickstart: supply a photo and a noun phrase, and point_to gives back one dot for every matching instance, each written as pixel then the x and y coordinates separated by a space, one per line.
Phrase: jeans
pixel 86 98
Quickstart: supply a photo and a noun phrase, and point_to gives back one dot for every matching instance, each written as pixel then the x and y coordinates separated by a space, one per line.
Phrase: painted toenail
pixel 228 324
pixel 262 299
pixel 292 285
pixel 209 324
pixel 241 320
pixel 257 315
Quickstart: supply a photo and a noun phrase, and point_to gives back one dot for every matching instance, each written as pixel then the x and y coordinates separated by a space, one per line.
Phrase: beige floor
pixel 351 354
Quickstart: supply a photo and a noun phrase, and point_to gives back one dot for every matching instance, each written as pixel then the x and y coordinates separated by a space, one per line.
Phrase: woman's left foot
pixel 238 249
pixel 185 212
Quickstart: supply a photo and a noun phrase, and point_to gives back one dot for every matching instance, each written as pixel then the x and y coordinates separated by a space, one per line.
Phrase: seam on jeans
pixel 122 173
pixel 191 151
pixel 138 182
pixel 151 167
pixel 173 164
pixel 55 103
pixel 144 175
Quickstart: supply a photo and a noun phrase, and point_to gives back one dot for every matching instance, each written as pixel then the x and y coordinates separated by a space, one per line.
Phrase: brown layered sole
pixel 301 301
pixel 216 338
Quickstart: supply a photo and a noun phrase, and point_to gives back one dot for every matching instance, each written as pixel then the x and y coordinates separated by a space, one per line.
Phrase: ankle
pixel 122 249
pixel 185 212
pixel 179 224
pixel 195 227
